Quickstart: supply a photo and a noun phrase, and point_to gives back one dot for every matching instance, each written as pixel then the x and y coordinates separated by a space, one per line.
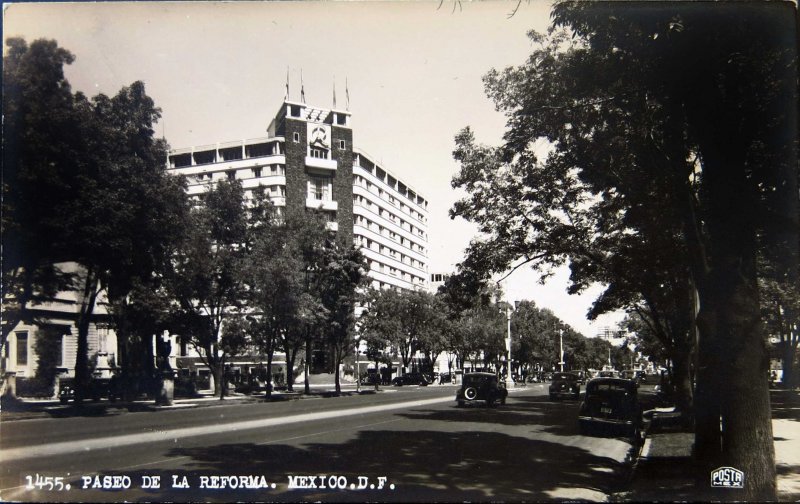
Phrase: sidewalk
pixel 664 471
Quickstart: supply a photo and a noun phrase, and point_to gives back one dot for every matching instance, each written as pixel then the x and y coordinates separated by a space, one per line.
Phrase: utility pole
pixel 358 370
pixel 508 342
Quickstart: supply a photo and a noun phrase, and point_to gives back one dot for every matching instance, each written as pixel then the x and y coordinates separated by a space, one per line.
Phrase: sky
pixel 412 69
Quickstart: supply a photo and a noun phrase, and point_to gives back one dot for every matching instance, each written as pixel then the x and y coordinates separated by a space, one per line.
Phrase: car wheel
pixel 576 395
pixel 552 397
pixel 503 400
pixel 490 403
pixel 63 400
pixel 460 404
pixel 471 393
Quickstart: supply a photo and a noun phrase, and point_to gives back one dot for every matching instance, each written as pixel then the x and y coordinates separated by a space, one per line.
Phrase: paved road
pixel 423 447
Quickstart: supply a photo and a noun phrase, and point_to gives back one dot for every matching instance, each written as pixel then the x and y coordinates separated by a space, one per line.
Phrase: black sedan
pixel 611 405
pixel 484 387
pixel 565 385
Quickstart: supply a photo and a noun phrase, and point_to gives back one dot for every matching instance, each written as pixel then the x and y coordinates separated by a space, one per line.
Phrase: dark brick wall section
pixel 296 185
pixel 343 183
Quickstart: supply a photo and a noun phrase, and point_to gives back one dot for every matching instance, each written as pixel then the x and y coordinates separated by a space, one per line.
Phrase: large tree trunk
pixel 747 441
pixel 89 297
pixel 218 370
pixel 291 358
pixel 682 381
pixel 270 353
pixel 307 366
pixel 338 358
pixel 734 357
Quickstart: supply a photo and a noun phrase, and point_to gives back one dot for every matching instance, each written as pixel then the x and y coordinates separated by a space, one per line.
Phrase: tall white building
pixel 308 161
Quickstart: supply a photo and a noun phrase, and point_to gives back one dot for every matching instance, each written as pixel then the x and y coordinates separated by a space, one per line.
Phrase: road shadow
pixel 553 416
pixel 423 466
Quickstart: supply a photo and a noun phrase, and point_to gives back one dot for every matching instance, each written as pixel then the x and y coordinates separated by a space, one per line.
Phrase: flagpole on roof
pixel 347 94
pixel 302 88
pixel 334 91
pixel 287 83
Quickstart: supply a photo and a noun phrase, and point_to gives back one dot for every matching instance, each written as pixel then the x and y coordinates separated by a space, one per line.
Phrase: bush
pixel 35 387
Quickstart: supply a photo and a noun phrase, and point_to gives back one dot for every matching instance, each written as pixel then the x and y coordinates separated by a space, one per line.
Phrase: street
pixel 403 444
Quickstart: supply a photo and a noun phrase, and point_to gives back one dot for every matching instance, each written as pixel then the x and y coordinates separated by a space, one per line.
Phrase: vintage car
pixel 607 373
pixel 565 385
pixel 484 387
pixel 412 379
pixel 610 406
pixel 98 388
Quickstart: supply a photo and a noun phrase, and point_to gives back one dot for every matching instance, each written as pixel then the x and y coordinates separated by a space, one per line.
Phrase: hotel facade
pixel 308 161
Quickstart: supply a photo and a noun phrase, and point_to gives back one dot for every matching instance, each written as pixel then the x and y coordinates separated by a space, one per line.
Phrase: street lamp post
pixel 358 369
pixel 508 342
pixel 561 347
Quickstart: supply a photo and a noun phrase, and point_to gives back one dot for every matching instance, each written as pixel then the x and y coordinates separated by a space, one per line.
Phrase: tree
pixel 780 306
pixel 205 281
pixel 40 146
pixel 281 277
pixel 701 147
pixel 343 274
pixel 411 321
pixel 376 330
pixel 732 97
pixel 309 236
pixel 92 175
pixel 436 337
pixel 535 332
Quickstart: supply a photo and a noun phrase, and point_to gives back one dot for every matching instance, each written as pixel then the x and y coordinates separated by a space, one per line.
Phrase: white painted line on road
pixel 105 443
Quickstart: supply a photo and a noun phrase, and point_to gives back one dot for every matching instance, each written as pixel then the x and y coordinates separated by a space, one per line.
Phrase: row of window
pixel 366 164
pixel 271 191
pixel 365 242
pixel 377 209
pixel 389 270
pixel 377 228
pixel 258 171
pixel 225 154
pixel 385 196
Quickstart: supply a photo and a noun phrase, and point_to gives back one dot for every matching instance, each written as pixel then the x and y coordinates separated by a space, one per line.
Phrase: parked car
pixel 411 379
pixel 370 379
pixel 642 376
pixel 610 405
pixel 99 388
pixel 447 377
pixel 630 374
pixel 484 387
pixel 565 385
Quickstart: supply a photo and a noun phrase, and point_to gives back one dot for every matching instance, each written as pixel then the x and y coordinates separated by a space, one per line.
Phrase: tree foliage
pixel 662 172
pixel 86 182
pixel 205 281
